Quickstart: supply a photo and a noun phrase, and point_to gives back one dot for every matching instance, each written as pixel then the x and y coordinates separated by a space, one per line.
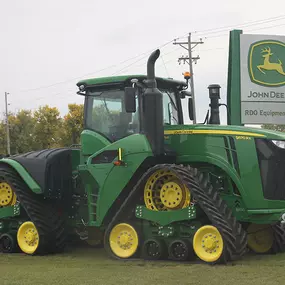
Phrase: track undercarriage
pixel 182 217
pixel 37 225
pixel 173 212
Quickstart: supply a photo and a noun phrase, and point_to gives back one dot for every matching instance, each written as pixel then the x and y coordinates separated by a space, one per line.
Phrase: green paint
pixel 164 218
pixel 24 174
pixel 9 211
pixel 107 180
pixel 10 226
pixel 92 142
pixel 210 150
pixel 125 79
pixel 233 89
pixel 227 153
pixel 169 233
pixel 265 63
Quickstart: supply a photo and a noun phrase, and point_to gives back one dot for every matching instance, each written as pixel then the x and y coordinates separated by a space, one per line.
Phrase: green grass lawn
pixel 85 266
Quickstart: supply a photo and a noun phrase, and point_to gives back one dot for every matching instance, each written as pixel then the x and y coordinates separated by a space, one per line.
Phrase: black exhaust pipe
pixel 214 94
pixel 153 109
pixel 150 66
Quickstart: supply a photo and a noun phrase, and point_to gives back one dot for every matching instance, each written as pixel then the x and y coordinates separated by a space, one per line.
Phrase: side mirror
pixel 190 109
pixel 130 99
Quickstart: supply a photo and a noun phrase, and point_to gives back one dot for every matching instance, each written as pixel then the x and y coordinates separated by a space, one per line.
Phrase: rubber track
pixel 50 226
pixel 235 241
pixel 279 238
pixel 217 211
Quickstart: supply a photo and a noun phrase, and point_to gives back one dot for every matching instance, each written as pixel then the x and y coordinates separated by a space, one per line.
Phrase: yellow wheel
pixel 123 240
pixel 260 238
pixel 7 195
pixel 28 237
pixel 164 191
pixel 208 244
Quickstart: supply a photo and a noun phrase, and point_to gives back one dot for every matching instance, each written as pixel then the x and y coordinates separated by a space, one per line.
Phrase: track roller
pixel 260 238
pixel 179 250
pixel 208 244
pixel 7 243
pixel 7 195
pixel 154 249
pixel 28 238
pixel 122 241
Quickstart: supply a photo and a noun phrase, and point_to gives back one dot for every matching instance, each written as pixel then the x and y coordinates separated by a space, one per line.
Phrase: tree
pixel 3 140
pixel 72 125
pixel 47 127
pixel 21 126
pixel 280 128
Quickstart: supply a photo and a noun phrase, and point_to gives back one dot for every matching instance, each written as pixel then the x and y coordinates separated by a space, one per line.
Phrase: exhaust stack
pixel 214 94
pixel 153 108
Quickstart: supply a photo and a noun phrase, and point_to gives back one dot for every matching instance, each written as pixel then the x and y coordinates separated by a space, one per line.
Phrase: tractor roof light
pixel 214 90
pixel 82 87
pixel 187 75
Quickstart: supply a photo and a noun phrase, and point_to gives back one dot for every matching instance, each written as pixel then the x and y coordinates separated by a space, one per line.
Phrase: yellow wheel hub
pixel 124 240
pixel 7 196
pixel 260 238
pixel 164 191
pixel 208 243
pixel 28 237
pixel 171 194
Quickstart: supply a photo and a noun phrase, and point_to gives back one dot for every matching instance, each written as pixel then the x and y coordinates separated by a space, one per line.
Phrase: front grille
pixel 272 169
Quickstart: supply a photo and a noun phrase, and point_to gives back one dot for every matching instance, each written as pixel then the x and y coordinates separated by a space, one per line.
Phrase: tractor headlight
pixel 82 87
pixel 280 144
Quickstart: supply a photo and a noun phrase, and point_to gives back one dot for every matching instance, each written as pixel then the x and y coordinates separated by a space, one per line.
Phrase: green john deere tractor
pixel 146 185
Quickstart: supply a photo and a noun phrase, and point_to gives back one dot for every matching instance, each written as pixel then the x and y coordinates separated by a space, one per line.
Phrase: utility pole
pixel 190 59
pixel 7 125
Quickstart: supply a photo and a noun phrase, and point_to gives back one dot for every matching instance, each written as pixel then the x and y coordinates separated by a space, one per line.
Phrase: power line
pixel 164 66
pixel 250 30
pixel 100 70
pixel 213 30
pixel 270 27
pixel 190 59
pixel 247 24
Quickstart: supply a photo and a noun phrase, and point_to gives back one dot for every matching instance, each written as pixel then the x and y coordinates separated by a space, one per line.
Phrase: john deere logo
pixel 265 63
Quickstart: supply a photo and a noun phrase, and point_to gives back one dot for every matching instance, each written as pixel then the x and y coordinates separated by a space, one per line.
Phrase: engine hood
pixel 223 130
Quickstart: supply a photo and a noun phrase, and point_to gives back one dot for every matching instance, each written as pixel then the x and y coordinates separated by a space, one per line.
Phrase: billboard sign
pixel 262 79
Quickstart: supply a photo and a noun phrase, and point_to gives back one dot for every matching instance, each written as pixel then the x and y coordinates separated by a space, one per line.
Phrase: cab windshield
pixel 105 113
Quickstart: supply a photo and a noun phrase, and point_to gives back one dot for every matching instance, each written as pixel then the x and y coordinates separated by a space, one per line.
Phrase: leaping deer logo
pixel 267 65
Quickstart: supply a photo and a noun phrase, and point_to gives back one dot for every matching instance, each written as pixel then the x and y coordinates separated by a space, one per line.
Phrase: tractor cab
pixel 115 109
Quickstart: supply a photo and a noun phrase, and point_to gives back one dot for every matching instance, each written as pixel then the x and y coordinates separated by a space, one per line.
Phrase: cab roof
pixel 125 80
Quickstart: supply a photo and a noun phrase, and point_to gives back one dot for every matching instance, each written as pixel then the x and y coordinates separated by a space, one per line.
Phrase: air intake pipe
pixel 153 108
pixel 214 94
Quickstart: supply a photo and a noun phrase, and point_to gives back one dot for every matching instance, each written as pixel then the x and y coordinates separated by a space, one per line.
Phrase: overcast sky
pixel 47 46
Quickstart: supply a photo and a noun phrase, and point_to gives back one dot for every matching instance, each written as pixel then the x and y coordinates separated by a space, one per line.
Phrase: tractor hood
pixel 223 130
